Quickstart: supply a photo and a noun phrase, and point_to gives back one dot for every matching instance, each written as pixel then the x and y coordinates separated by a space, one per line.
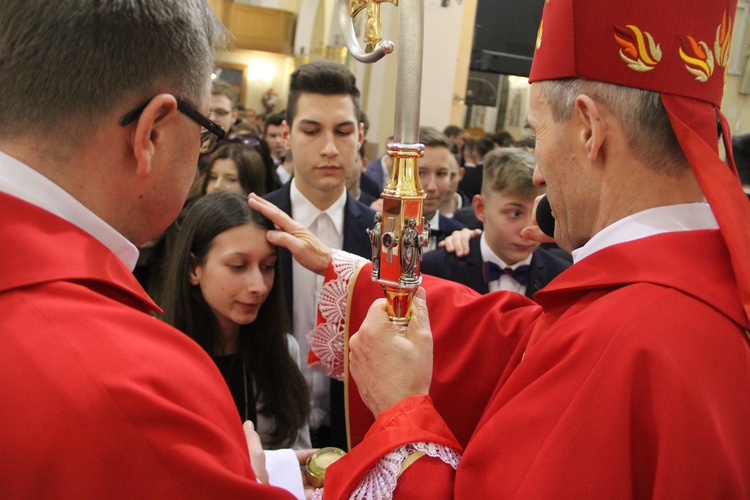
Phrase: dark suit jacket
pixel 469 270
pixel 374 171
pixel 446 227
pixel 471 183
pixel 366 198
pixel 357 219
pixel 369 186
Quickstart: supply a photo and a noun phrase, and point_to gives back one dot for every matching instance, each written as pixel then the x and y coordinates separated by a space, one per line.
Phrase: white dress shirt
pixel 328 225
pixel 434 225
pixel 284 174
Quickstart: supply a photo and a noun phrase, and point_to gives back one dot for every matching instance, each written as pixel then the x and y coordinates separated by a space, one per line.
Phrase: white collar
pixel 435 221
pixel 22 181
pixel 671 218
pixel 489 256
pixel 304 212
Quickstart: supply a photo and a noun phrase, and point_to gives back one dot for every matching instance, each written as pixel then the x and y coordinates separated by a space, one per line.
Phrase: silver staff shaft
pixel 409 76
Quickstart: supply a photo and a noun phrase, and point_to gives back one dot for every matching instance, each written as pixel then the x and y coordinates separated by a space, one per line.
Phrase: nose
pixel 255 283
pixel 538 178
pixel 329 147
pixel 429 183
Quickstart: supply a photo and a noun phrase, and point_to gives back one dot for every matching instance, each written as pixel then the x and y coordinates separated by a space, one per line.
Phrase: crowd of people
pixel 332 201
pixel 189 311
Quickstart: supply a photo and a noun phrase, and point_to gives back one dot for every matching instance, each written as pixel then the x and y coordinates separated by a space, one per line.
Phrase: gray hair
pixel 66 64
pixel 641 113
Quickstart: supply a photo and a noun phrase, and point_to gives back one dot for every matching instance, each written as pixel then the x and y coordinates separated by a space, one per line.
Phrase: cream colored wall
pixel 264 70
pixel 736 106
pixel 447 48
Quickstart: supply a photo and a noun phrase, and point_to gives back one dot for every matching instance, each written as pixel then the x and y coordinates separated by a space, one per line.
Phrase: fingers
pixel 303 455
pixel 272 212
pixel 533 233
pixel 308 250
pixel 419 314
pixel 257 457
pixel 459 242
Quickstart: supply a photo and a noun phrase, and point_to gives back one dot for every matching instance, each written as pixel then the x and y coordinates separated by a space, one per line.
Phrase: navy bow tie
pixel 493 272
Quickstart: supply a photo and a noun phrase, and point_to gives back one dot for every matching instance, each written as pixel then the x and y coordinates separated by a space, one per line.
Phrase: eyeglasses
pixel 210 131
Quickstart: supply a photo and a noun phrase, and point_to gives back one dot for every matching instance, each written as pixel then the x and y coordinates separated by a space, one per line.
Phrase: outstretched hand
pixel 306 248
pixel 391 362
pixel 458 242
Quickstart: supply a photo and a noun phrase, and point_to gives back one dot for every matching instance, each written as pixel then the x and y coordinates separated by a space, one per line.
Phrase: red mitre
pixel 679 49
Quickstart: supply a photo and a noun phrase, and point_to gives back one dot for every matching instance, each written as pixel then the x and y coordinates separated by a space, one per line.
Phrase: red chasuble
pixel 99 399
pixel 633 383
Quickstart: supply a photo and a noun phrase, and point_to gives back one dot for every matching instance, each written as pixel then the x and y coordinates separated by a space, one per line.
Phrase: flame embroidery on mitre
pixel 634 51
pixel 539 31
pixel 539 34
pixel 700 61
pixel 723 40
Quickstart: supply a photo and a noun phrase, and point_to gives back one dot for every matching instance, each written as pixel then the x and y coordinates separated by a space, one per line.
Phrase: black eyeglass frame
pixel 210 128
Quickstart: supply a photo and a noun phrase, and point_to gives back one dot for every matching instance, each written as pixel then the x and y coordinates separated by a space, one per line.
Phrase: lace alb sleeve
pixel 380 482
pixel 327 338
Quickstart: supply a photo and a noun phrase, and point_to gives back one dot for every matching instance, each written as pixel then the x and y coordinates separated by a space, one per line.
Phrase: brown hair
pixel 510 171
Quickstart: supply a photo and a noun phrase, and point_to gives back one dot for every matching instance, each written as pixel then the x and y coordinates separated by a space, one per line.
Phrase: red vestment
pixel 99 399
pixel 633 383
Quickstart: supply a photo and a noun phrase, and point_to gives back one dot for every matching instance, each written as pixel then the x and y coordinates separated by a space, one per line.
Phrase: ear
pixel 151 129
pixel 477 203
pixel 461 172
pixel 195 272
pixel 592 127
pixel 361 135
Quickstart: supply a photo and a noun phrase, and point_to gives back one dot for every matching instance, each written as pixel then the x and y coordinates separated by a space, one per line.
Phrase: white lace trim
pixel 327 338
pixel 381 480
pixel 317 494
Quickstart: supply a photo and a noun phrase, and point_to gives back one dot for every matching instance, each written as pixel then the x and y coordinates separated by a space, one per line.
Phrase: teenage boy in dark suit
pixel 501 259
pixel 324 133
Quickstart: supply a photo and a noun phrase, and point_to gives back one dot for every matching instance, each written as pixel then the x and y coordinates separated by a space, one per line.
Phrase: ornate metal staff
pixel 400 230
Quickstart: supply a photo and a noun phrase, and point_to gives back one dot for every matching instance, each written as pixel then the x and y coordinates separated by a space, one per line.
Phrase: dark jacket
pixel 469 271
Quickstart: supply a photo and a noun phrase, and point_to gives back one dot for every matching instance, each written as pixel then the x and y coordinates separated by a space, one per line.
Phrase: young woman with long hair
pixel 225 292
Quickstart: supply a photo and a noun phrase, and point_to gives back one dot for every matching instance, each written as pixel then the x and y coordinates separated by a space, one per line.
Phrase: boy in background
pixel 501 259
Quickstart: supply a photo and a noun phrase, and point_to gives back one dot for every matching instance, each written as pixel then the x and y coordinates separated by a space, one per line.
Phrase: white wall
pixel 441 42
pixel 442 33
